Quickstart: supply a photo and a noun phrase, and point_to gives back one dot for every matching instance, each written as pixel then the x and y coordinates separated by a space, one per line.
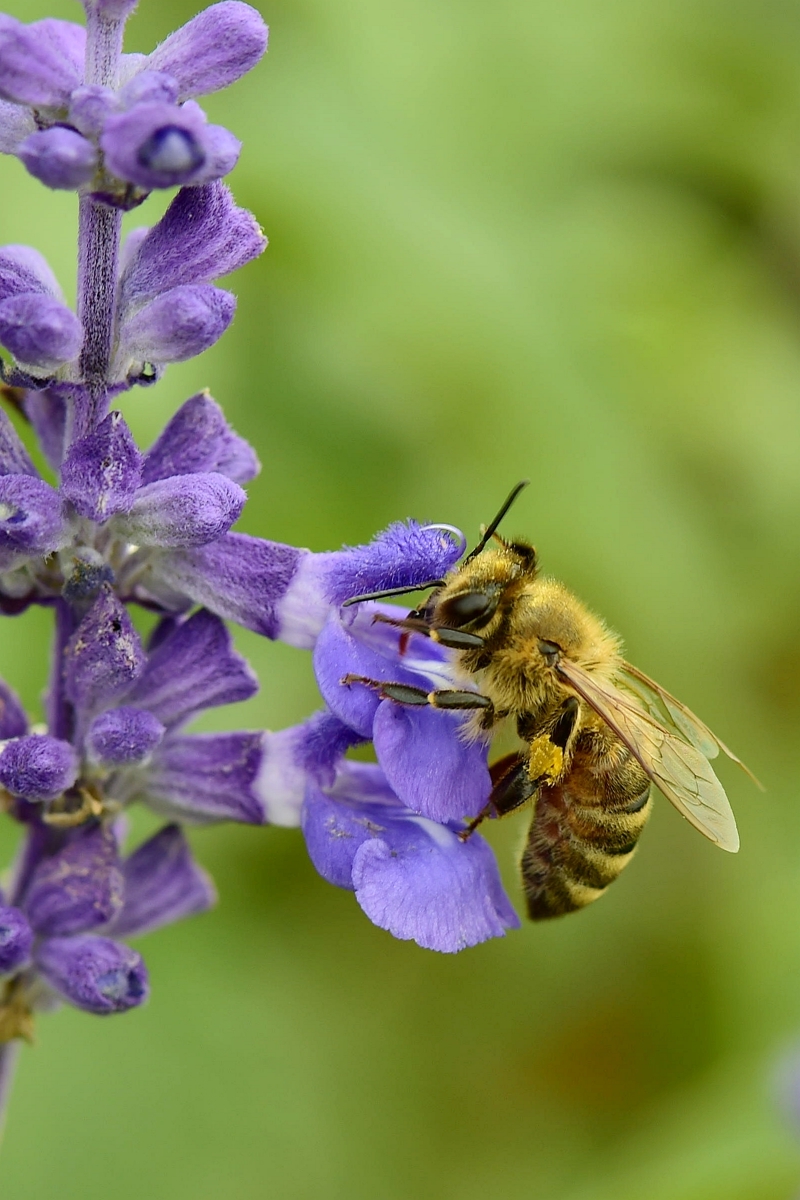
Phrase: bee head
pixel 474 591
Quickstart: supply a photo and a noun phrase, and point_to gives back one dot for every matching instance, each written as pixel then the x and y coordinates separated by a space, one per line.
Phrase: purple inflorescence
pixel 110 522
pixel 108 525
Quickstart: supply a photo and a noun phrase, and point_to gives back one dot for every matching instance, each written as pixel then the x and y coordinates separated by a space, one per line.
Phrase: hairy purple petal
pixel 41 63
pixel 295 755
pixel 241 578
pixel 186 510
pixel 16 940
pixel 16 123
pixel 163 884
pixel 78 888
pixel 149 87
pixel 58 157
pixel 102 471
pixel 30 517
pixel 156 144
pixel 23 269
pixel 193 668
pixel 38 767
pixel 404 555
pixel 94 973
pixel 89 108
pixel 207 777
pixel 13 722
pixel 198 438
pixel 179 324
pixel 214 49
pixel 122 736
pixel 47 413
pixel 202 236
pixel 104 656
pixel 14 458
pixel 40 331
pixel 222 152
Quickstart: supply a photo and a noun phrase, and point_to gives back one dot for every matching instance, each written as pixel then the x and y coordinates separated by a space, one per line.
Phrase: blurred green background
pixel 526 239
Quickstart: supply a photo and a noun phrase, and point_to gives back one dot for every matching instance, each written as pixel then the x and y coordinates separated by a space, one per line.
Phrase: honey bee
pixel 597 732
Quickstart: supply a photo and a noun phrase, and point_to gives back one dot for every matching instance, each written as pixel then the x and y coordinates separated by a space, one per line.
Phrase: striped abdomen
pixel 583 832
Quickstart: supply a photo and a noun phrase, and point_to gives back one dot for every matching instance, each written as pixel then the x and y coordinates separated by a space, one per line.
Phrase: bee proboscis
pixel 597 732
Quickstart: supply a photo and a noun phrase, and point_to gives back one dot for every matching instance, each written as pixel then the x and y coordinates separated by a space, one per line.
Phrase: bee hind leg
pixel 512 788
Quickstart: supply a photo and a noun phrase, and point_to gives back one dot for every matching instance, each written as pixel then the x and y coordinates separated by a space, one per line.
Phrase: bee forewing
pixel 684 720
pixel 676 766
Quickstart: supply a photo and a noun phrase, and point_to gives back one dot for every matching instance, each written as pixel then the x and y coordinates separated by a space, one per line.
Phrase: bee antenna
pixel 490 529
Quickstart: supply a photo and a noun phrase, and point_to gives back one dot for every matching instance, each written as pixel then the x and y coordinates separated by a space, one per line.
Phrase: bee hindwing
pixel 671 759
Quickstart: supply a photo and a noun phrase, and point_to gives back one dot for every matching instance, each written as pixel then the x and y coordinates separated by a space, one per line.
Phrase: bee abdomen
pixel 578 844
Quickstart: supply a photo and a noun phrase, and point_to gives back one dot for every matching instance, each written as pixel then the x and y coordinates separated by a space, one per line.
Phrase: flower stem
pixel 9 1053
pixel 99 228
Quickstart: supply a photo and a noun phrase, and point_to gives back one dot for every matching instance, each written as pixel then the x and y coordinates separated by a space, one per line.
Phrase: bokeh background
pixel 521 239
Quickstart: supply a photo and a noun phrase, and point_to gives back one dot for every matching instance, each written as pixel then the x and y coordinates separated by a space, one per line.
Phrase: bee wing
pixel 675 765
pixel 685 721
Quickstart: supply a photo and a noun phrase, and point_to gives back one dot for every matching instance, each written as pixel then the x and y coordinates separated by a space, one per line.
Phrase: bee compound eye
pixel 468 607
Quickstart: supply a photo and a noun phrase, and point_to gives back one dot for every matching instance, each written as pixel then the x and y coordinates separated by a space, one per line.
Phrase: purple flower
pixel 129 709
pixel 411 875
pixel 166 308
pixel 77 131
pixel 72 896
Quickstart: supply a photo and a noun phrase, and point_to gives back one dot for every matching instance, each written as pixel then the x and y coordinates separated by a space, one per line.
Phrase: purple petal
pixel 207 777
pixel 202 236
pixel 404 555
pixel 186 510
pixel 23 269
pixel 101 472
pixel 13 722
pixel 30 517
pixel 177 325
pixel 425 885
pixel 222 152
pixel 163 884
pixel 78 888
pixel 214 49
pixel 293 756
pixel 427 762
pixel 104 656
pixel 16 940
pixel 198 438
pixel 195 667
pixel 337 654
pixel 16 123
pixel 14 458
pixel 156 145
pixel 47 413
pixel 241 578
pixel 411 875
pixel 41 63
pixel 89 108
pixel 58 157
pixel 149 87
pixel 94 973
pixel 38 767
pixel 40 331
pixel 123 736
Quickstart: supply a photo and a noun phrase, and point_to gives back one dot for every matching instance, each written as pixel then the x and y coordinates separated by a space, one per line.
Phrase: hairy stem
pixel 9 1053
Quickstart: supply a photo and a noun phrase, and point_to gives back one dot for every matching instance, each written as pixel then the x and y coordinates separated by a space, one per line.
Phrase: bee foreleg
pixel 453 639
pixel 403 693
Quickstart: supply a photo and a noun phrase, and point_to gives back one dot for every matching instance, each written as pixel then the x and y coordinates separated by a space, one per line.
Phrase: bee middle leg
pixel 513 788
